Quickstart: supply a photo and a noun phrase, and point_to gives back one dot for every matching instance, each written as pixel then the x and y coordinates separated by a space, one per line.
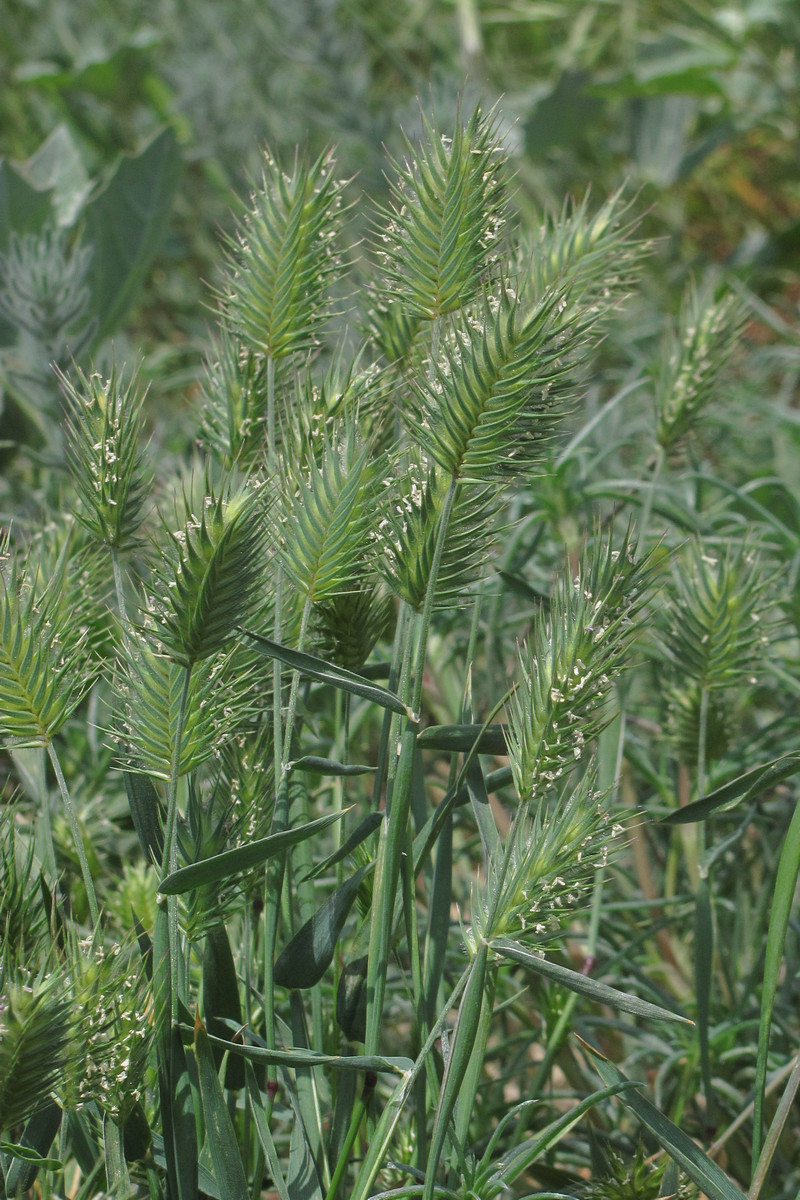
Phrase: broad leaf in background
pixel 124 225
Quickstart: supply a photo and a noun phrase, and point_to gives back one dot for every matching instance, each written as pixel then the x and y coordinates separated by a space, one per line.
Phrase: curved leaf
pixel 325 672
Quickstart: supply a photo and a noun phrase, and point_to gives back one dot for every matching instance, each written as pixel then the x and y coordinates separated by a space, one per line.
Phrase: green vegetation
pixel 398 679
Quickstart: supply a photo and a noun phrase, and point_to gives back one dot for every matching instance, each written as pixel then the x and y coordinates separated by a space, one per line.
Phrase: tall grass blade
pixel 584 985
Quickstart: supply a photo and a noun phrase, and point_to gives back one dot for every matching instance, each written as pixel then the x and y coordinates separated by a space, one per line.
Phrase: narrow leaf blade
pixel 220 1133
pixel 783 897
pixel 741 788
pixel 325 672
pixel 601 993
pixel 702 1170
pixel 233 862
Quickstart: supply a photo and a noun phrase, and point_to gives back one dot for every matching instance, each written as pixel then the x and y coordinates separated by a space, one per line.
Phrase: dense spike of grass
pixel 103 427
pixel 715 616
pixel 502 387
pixel 324 540
pixel 407 533
pixel 234 401
pixel 577 650
pixel 283 257
pixel 35 1029
pixel 150 688
pixel 210 575
pixel 45 665
pixel 443 230
pixel 694 359
pixel 594 254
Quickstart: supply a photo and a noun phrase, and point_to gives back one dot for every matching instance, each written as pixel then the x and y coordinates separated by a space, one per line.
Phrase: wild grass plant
pixel 336 854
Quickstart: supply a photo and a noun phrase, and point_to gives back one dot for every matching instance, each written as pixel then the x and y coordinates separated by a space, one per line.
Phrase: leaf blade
pixel 242 858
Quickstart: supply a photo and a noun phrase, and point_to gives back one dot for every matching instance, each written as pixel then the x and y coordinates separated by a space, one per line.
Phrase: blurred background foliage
pixel 694 103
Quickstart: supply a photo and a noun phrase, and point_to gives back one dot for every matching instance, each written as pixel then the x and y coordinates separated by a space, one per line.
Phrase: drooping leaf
pixel 743 788
pixel 324 672
pixel 300 1057
pixel 38 1136
pixel 702 1170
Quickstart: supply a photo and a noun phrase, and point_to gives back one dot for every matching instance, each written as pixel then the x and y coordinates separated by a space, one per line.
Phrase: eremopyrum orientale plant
pixel 363 897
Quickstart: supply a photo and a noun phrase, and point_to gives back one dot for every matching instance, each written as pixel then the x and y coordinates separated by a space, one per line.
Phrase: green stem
pixel 388 724
pixel 273 878
pixel 394 827
pixel 169 861
pixel 775 1130
pixel 280 821
pixel 704 927
pixel 345 1157
pixel 119 588
pixel 76 834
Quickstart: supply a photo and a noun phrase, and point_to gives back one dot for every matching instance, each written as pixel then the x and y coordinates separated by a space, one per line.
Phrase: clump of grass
pixel 372 894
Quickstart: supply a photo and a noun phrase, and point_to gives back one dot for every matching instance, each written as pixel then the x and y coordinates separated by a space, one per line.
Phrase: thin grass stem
pixel 394 827
pixel 77 837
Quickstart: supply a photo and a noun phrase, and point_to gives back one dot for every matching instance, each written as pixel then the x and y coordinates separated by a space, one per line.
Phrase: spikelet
pixel 694 359
pixel 327 513
pixel 102 427
pixel 45 661
pixel 407 530
pixel 209 576
pixel 282 257
pixel 567 673
pixel 441 235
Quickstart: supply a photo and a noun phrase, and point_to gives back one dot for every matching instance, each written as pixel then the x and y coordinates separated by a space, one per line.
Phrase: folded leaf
pixel 741 788
pixel 325 672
